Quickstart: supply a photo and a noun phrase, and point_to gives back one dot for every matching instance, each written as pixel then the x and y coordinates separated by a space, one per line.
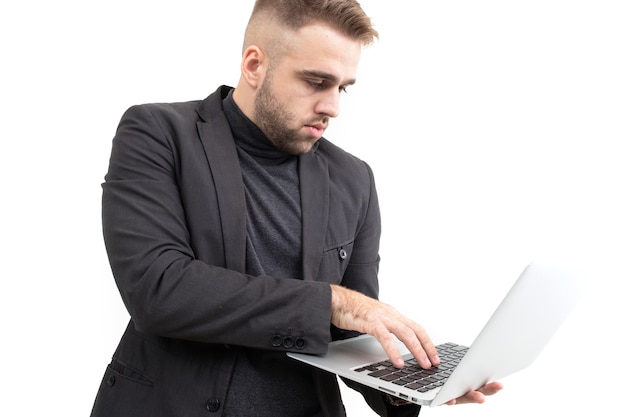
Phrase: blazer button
pixel 277 340
pixel 111 381
pixel 288 342
pixel 300 343
pixel 213 405
pixel 343 254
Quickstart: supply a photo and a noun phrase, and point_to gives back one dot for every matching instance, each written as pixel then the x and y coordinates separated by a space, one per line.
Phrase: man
pixel 236 232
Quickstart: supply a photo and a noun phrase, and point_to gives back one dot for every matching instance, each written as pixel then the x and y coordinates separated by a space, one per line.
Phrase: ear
pixel 253 66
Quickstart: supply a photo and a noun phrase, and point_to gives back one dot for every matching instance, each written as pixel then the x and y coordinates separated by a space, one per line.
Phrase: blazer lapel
pixel 314 193
pixel 221 152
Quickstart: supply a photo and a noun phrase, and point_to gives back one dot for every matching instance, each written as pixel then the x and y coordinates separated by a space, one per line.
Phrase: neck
pixel 244 98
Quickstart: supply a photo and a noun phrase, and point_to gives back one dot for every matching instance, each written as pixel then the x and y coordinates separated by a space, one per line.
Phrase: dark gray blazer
pixel 174 224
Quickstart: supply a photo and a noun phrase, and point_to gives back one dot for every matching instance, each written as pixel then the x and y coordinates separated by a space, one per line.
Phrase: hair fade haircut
pixel 346 16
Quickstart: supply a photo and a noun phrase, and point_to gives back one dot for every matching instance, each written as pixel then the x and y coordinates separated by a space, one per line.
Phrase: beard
pixel 273 118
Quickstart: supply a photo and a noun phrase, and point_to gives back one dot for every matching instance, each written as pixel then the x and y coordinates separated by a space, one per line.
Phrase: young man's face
pixel 300 93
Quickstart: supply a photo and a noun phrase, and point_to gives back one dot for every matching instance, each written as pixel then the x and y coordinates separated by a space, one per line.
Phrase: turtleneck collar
pixel 248 136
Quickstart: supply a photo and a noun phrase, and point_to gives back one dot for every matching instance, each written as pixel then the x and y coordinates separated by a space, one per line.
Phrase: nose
pixel 328 104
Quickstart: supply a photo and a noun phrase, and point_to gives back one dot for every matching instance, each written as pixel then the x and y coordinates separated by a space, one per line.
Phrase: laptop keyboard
pixel 413 376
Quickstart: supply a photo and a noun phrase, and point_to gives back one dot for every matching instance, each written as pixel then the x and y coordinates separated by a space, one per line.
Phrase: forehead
pixel 320 48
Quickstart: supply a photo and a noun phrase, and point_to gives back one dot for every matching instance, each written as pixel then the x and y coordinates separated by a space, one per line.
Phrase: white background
pixel 495 130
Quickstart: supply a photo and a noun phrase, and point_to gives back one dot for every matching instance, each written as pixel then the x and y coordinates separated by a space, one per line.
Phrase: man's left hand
pixel 479 395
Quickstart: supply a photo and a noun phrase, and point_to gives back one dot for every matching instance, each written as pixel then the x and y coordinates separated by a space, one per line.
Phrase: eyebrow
pixel 325 76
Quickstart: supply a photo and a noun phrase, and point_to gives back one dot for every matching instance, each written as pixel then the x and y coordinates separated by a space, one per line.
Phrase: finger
pixel 388 343
pixel 421 355
pixel 471 397
pixel 411 342
pixel 491 388
pixel 420 345
pixel 477 396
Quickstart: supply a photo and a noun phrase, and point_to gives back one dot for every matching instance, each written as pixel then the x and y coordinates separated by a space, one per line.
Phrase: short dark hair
pixel 346 16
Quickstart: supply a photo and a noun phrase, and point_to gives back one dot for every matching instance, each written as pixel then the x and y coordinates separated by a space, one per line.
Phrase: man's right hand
pixel 351 310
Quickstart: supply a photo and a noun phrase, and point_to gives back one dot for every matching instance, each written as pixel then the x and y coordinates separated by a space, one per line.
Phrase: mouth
pixel 316 129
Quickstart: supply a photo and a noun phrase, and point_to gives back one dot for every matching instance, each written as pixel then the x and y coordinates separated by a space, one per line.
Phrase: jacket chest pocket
pixel 335 260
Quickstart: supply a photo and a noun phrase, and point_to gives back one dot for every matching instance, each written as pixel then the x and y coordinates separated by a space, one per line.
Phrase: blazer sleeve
pixel 167 289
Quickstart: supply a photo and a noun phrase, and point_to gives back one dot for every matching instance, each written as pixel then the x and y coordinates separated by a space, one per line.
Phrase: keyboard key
pixel 413 376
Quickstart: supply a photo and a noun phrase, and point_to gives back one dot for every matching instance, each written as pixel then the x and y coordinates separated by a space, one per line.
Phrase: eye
pixel 323 85
pixel 317 84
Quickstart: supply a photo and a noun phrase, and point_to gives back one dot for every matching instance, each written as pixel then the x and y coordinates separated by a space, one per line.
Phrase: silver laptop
pixel 516 333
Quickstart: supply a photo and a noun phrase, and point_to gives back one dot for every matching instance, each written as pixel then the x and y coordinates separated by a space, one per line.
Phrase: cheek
pixel 296 96
pixel 303 107
pixel 295 108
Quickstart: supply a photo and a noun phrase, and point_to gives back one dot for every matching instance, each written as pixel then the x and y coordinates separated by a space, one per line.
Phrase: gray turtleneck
pixel 268 384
